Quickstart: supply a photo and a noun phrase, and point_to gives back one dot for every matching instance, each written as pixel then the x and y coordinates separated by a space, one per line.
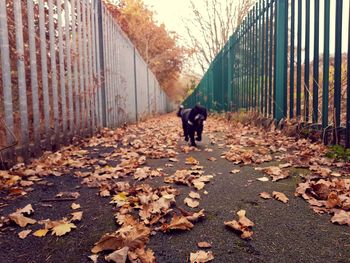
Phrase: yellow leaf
pixel 62 229
pixel 41 232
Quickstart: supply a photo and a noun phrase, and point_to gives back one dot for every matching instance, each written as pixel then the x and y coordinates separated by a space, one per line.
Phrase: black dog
pixel 192 122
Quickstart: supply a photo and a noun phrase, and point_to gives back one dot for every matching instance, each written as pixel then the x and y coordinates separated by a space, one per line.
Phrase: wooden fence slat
pixel 53 72
pixel 67 13
pixel 75 68
pixel 62 71
pixel 22 88
pixel 6 74
pixel 91 79
pixel 86 73
pixel 81 68
pixel 44 75
pixel 34 77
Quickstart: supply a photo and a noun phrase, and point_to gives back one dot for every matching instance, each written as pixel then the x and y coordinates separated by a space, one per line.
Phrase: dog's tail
pixel 179 112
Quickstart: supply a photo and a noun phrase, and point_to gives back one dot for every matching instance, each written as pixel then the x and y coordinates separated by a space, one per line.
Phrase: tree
pixel 208 30
pixel 157 46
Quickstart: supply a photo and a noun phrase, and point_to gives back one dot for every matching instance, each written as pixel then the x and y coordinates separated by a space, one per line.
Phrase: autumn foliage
pixel 157 46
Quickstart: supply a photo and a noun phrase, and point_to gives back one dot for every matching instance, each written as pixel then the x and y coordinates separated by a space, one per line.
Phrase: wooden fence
pixel 67 69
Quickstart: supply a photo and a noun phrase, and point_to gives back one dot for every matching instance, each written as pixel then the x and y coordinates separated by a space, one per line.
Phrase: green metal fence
pixel 288 59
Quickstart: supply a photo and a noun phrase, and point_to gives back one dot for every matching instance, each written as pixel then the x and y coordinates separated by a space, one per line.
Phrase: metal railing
pixel 288 59
pixel 67 69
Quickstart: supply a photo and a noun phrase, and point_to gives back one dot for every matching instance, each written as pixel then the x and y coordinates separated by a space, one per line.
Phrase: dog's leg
pixel 184 127
pixel 199 133
pixel 191 133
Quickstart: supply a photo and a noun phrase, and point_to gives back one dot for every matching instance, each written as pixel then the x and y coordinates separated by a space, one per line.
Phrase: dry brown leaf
pixel 191 160
pixel 105 193
pixel 212 159
pixel 194 195
pixel 204 245
pixel 201 256
pixel 75 206
pixel 195 216
pixel 178 223
pixel 280 196
pixel 341 217
pixel 133 236
pixel 21 220
pixel 28 209
pixel 263 179
pixel 235 171
pixel 23 234
pixel 93 258
pixel 243 225
pixel 68 195
pixel 191 203
pixel 265 195
pixel 77 216
pixel 118 256
pixel 174 160
pixel 145 256
pixel 63 228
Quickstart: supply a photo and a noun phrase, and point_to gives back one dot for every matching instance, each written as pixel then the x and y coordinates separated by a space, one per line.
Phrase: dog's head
pixel 198 115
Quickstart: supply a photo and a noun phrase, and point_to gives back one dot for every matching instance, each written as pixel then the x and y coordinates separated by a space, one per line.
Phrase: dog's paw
pixel 186 139
pixel 194 144
pixel 198 139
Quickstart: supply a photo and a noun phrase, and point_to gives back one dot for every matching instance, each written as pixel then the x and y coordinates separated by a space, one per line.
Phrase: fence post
pixel 102 62
pixel 280 110
pixel 229 74
pixel 135 78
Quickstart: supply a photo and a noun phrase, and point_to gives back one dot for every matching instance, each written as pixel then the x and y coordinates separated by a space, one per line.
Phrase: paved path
pixel 289 232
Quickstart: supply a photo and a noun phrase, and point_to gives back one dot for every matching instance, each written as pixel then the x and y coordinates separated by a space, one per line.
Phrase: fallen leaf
pixel 195 216
pixel 280 196
pixel 191 160
pixel 105 193
pixel 118 256
pixel 174 160
pixel 201 256
pixel 41 232
pixel 28 209
pixel 21 220
pixel 23 234
pixel 212 159
pixel 190 202
pixel 243 225
pixel 263 179
pixel 204 245
pixel 265 195
pixel 235 171
pixel 341 217
pixel 93 258
pixel 74 195
pixel 75 206
pixel 77 216
pixel 62 229
pixel 179 223
pixel 194 195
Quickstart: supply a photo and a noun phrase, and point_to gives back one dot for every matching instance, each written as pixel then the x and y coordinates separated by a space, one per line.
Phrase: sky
pixel 171 13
